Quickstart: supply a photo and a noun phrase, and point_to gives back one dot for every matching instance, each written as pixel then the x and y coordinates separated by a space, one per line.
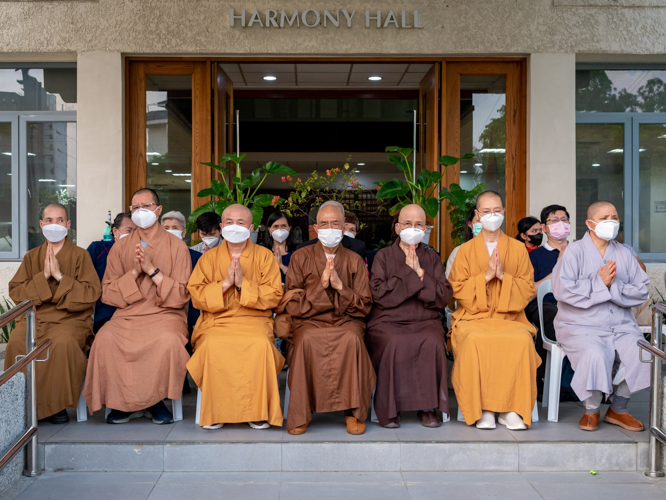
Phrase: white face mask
pixel 144 218
pixel 55 233
pixel 280 235
pixel 235 233
pixel 178 234
pixel 606 229
pixel 492 222
pixel 412 236
pixel 349 234
pixel 211 241
pixel 330 238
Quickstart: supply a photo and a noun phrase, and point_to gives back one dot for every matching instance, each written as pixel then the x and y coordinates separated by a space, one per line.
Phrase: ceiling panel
pixel 322 78
pixel 267 68
pixel 419 68
pixel 282 78
pixel 412 78
pixel 230 68
pixel 323 68
pixel 391 78
pixel 379 69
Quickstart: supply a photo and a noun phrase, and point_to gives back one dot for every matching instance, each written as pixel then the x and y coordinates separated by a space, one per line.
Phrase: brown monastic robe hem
pixel 64 315
pixel 405 336
pixel 139 357
pixel 329 366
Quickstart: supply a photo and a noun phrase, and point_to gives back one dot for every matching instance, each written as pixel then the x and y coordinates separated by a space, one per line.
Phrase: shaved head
pixel 593 209
pixel 332 205
pixel 53 210
pixel 237 211
pixel 412 213
pixel 485 197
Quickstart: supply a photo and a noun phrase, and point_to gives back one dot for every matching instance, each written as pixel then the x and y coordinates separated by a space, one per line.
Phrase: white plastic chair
pixel 554 358
pixel 82 409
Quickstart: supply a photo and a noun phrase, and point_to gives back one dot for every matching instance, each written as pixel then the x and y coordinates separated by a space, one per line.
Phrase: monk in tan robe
pixel 327 295
pixel 495 360
pixel 235 363
pixel 61 281
pixel 139 356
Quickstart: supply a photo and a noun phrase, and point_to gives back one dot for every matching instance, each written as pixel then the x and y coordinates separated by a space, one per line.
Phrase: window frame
pixel 16 238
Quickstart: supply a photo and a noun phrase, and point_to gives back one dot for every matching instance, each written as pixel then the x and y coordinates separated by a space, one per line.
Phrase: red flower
pixel 289 177
pixel 289 200
pixel 378 188
pixel 355 179
pixel 283 179
pixel 275 200
pixel 298 180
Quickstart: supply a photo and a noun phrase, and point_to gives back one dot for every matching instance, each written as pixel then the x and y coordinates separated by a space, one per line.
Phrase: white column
pixel 551 133
pixel 100 174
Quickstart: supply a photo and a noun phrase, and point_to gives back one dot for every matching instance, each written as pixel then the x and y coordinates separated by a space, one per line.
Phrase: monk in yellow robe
pixel 495 360
pixel 61 281
pixel 139 356
pixel 235 363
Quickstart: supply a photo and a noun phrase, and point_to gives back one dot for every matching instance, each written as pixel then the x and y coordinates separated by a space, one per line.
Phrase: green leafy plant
pixel 337 184
pixel 241 190
pixel 382 244
pixel 460 201
pixel 6 330
pixel 422 191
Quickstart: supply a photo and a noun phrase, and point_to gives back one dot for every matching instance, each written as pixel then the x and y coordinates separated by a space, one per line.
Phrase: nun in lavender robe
pixel 594 322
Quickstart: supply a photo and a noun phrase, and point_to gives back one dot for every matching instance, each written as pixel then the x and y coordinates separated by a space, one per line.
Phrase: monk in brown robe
pixel 139 356
pixel 405 337
pixel 61 281
pixel 327 297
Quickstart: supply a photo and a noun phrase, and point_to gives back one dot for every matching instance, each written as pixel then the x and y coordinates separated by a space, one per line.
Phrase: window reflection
pixel 652 186
pixel 6 236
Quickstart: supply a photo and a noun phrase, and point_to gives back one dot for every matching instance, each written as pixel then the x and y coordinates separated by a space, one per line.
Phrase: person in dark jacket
pixel 99 250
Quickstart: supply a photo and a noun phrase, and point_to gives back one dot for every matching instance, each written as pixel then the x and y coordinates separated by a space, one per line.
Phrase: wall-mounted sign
pixel 660 206
pixel 311 18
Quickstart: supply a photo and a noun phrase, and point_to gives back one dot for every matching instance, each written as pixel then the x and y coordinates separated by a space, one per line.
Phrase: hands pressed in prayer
pixel 51 265
pixel 494 267
pixel 412 261
pixel 144 260
pixel 277 253
pixel 230 279
pixel 335 280
pixel 47 263
pixel 326 274
pixel 608 272
pixel 498 268
pixel 136 268
pixel 238 273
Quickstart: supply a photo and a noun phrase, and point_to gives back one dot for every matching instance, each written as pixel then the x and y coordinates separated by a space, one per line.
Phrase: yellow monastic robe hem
pixel 235 362
pixel 493 348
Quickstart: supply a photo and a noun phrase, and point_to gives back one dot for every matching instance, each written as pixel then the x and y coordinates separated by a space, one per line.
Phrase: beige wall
pixel 453 27
pixel 100 179
pixel 551 136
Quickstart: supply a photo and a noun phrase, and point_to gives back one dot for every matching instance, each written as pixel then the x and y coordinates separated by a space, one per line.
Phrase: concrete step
pixel 346 456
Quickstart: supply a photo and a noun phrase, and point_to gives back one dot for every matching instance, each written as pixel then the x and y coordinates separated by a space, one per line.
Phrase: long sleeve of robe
pixel 64 315
pixel 235 362
pixel 139 356
pixel 329 366
pixel 594 321
pixel 405 337
pixel 495 359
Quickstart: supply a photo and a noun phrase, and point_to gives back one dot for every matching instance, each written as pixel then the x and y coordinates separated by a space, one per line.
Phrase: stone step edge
pixel 338 456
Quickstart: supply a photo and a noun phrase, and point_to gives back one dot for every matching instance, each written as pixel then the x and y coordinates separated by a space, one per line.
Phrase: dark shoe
pixel 428 419
pixel 624 420
pixel 122 417
pixel 59 418
pixel 589 422
pixel 394 423
pixel 159 413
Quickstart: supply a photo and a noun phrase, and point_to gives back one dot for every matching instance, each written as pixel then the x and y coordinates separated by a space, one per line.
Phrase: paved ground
pixel 342 485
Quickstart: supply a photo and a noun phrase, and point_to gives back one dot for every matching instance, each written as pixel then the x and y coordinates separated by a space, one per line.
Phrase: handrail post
pixel 31 383
pixel 655 396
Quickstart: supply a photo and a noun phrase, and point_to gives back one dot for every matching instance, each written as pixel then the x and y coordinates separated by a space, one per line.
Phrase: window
pixel 621 152
pixel 37 151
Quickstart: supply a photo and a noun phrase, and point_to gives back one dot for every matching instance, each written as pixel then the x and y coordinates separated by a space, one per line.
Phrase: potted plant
pixel 460 201
pixel 421 191
pixel 241 191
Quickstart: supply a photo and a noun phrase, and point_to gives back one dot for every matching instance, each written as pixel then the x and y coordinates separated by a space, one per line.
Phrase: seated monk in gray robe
pixel 405 337
pixel 329 366
pixel 596 283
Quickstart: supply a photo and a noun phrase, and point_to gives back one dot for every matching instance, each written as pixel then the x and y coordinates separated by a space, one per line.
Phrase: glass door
pixel 9 187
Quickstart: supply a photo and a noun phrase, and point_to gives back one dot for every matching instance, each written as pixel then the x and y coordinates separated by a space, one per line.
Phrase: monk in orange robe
pixel 61 281
pixel 235 363
pixel 139 356
pixel 495 360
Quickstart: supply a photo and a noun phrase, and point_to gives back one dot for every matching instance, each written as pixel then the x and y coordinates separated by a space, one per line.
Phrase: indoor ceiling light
pixel 357 171
pixel 183 175
pixel 270 78
pixel 493 150
pixel 66 185
pixel 7 154
pixel 374 78
pixel 152 154
pixel 168 171
pixel 360 164
pixel 154 163
pixel 596 164
pixel 463 171
pixel 478 164
pixel 616 151
pixel 188 180
pixel 47 180
pixel 32 154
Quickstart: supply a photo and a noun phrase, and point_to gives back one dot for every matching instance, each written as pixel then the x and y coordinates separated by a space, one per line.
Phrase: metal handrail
pixel 29 437
pixel 657 436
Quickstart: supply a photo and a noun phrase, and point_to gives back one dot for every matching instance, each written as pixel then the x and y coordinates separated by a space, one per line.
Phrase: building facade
pixel 565 98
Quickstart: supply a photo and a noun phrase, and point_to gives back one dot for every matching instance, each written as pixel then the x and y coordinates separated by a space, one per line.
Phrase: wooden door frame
pixel 429 147
pixel 135 121
pixel 516 133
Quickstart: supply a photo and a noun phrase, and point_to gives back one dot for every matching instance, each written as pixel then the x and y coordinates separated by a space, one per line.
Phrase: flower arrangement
pixel 242 190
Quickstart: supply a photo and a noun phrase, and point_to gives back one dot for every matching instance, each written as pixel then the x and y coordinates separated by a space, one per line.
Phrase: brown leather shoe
pixel 394 423
pixel 428 419
pixel 297 431
pixel 589 422
pixel 624 420
pixel 354 425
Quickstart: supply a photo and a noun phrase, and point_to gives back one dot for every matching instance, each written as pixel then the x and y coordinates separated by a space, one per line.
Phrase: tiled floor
pixel 331 428
pixel 337 485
